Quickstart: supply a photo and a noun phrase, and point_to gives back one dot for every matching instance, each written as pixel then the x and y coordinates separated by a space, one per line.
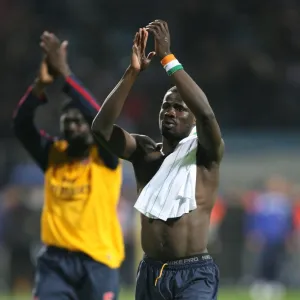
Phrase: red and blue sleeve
pixel 89 107
pixel 36 142
pixel 84 100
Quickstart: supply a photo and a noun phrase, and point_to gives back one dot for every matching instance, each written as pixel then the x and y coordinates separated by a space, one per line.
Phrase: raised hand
pixel 56 53
pixel 44 76
pixel 43 79
pixel 139 60
pixel 161 34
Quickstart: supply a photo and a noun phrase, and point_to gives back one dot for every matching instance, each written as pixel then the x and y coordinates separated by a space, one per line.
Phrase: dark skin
pixel 74 128
pixel 183 107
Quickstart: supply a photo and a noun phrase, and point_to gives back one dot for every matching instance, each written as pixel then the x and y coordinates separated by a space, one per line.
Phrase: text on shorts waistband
pixel 189 260
pixel 185 260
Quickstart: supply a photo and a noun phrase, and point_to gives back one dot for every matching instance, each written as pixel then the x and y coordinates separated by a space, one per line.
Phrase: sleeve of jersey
pixel 36 142
pixel 84 100
pixel 88 106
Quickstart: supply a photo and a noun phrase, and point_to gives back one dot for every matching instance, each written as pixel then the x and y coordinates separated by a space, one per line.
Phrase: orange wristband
pixel 167 59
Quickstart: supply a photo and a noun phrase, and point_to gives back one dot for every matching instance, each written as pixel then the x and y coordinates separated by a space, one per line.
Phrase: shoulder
pixel 144 142
pixel 144 145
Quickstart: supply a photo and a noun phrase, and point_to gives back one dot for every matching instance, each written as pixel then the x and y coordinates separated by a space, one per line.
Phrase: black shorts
pixel 190 278
pixel 66 275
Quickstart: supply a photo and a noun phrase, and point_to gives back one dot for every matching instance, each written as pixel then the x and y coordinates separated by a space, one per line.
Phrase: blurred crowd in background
pixel 246 57
pixel 245 54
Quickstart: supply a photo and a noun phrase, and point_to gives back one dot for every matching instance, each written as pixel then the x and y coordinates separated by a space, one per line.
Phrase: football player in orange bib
pixel 80 228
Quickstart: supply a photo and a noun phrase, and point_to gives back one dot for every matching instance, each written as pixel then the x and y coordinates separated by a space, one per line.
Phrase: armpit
pixel 144 144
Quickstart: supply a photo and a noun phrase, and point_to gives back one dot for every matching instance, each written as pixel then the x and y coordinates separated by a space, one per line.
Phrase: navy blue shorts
pixel 66 275
pixel 191 278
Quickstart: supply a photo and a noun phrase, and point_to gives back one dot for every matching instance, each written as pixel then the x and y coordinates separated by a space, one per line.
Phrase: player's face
pixel 175 119
pixel 75 128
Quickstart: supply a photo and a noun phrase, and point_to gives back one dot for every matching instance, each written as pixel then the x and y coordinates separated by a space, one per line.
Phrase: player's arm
pixel 111 136
pixel 34 141
pixel 104 129
pixel 208 130
pixel 84 100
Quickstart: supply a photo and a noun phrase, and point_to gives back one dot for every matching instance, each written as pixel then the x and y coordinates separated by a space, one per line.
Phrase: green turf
pixel 224 294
